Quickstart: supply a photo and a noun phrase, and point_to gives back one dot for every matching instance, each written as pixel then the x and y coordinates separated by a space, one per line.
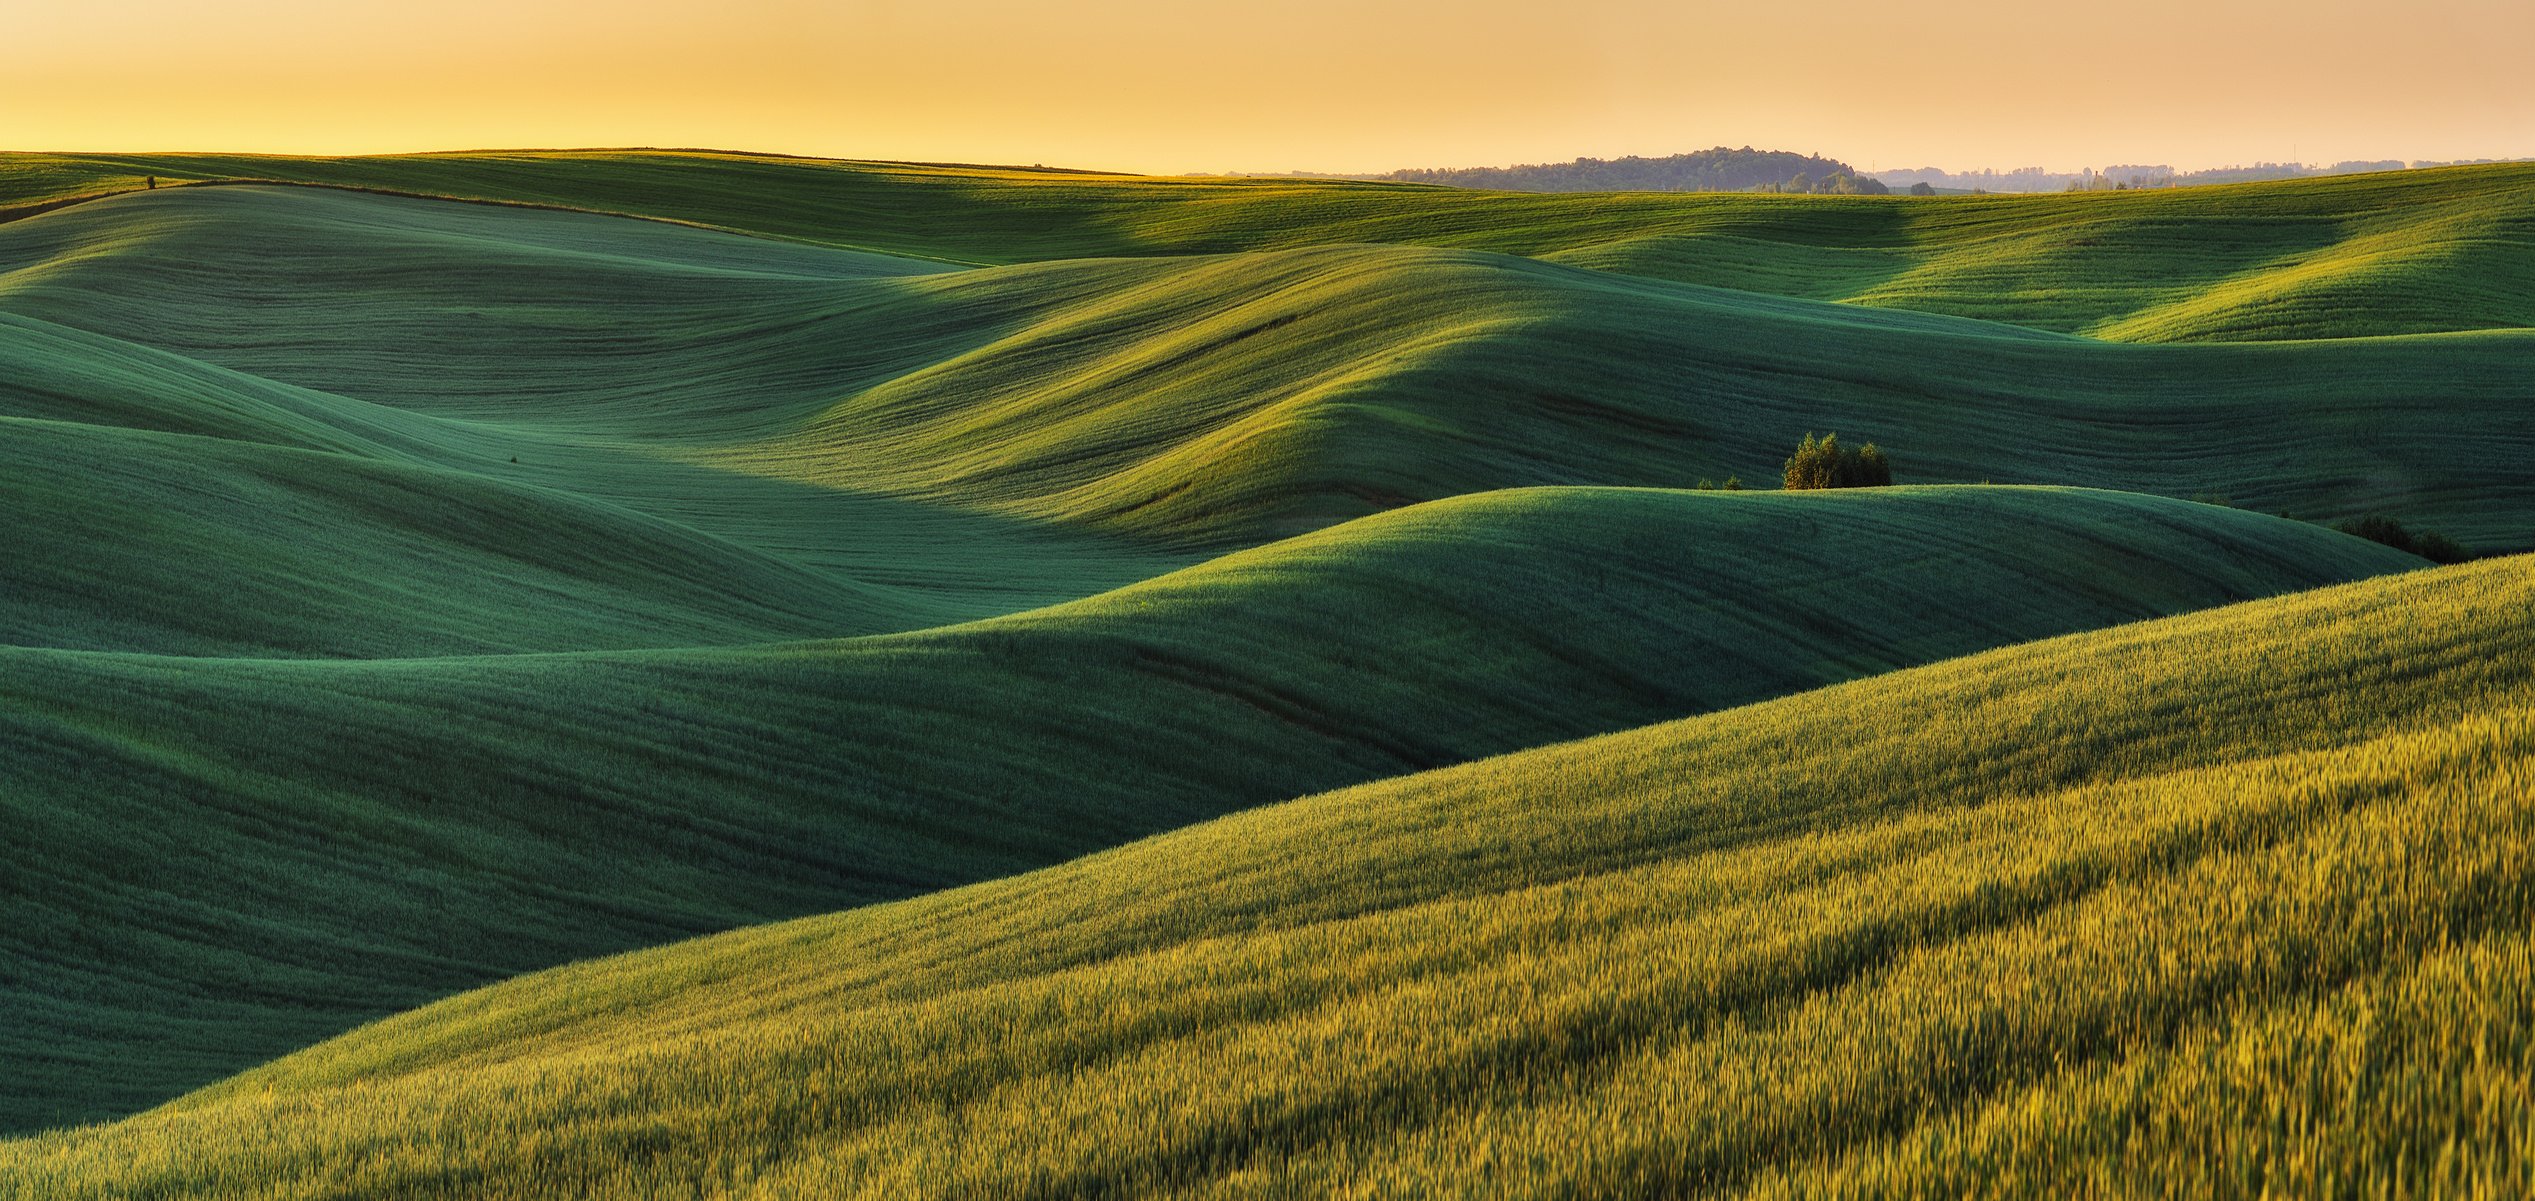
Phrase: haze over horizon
pixel 1316 85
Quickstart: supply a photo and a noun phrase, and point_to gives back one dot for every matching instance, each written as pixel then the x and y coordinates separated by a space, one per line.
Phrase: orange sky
pixel 1184 85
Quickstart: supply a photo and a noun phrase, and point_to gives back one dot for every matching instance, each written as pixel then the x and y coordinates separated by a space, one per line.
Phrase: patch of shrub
pixel 1824 463
pixel 1733 483
pixel 2435 547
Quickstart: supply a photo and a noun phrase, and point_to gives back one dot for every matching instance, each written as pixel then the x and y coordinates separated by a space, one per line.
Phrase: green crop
pixel 966 682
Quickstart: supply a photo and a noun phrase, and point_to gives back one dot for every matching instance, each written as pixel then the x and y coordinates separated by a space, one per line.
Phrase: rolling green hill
pixel 528 362
pixel 1191 402
pixel 1259 395
pixel 406 595
pixel 2254 879
pixel 238 856
pixel 2404 252
pixel 334 555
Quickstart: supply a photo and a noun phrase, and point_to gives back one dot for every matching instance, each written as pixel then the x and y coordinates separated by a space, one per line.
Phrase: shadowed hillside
pixel 2112 898
pixel 1209 401
pixel 2404 252
pixel 406 595
pixel 236 857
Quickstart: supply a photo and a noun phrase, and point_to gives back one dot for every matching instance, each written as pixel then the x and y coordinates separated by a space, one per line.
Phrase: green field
pixel 1204 401
pixel 2405 252
pixel 1057 684
pixel 2083 907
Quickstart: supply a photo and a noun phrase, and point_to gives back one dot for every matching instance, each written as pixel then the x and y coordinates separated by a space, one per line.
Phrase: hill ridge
pixel 380 832
pixel 1946 908
pixel 1237 666
pixel 2010 258
pixel 1136 399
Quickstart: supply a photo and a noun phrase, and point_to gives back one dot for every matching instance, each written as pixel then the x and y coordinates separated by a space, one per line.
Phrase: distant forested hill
pixel 2135 175
pixel 1717 170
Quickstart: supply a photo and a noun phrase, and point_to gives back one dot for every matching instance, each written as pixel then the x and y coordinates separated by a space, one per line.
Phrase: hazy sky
pixel 1184 85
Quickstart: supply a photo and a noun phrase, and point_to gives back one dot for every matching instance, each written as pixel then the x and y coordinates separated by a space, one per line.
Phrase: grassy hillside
pixel 2407 252
pixel 1211 401
pixel 531 363
pixel 151 542
pixel 1255 395
pixel 406 595
pixel 2241 898
pixel 232 858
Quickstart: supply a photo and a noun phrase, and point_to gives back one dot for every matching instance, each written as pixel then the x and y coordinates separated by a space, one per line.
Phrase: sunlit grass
pixel 2243 895
pixel 407 595
pixel 2345 256
pixel 1079 424
pixel 321 842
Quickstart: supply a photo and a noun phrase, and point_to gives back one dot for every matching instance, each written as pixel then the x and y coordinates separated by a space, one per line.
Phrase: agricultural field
pixel 637 674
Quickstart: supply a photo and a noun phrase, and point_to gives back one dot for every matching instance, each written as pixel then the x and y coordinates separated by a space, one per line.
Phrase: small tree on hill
pixel 1824 463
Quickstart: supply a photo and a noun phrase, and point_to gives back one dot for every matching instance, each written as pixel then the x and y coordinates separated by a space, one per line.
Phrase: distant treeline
pixel 2133 175
pixel 1718 170
pixel 1723 169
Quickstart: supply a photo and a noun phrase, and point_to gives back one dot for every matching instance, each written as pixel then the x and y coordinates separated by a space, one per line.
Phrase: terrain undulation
pixel 687 674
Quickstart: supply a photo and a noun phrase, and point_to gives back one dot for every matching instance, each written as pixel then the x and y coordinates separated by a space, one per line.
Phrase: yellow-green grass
pixel 272 448
pixel 2405 252
pixel 213 861
pixel 1191 402
pixel 2237 903
pixel 1227 399
pixel 260 423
